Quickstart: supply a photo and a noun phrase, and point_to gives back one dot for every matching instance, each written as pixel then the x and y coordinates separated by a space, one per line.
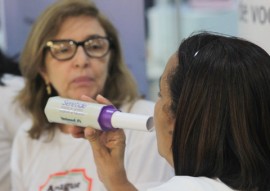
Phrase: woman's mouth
pixel 83 80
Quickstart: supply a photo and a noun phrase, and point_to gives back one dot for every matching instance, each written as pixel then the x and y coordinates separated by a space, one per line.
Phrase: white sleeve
pixel 11 118
pixel 18 156
pixel 188 183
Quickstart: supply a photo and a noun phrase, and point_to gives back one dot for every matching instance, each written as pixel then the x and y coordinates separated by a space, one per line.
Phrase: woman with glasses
pixel 73 50
pixel 212 120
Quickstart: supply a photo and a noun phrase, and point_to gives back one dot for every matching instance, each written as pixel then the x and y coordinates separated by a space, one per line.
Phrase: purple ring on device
pixel 105 116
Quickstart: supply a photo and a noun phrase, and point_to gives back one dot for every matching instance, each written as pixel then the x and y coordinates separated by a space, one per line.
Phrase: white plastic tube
pixel 99 116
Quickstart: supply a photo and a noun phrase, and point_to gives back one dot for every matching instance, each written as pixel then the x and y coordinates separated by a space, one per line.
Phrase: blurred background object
pixel 254 22
pixel 150 29
pixel 127 16
pixel 170 21
pixel 215 4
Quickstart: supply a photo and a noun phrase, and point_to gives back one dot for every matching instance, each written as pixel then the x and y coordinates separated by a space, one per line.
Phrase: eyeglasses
pixel 95 47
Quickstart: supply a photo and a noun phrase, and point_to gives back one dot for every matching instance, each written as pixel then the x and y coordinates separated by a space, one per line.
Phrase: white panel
pixel 254 21
pixel 2 27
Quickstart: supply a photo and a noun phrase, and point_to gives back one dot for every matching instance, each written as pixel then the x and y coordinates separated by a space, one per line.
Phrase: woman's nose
pixel 81 58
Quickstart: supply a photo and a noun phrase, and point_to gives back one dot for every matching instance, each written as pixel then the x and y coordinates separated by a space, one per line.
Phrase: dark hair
pixel 8 66
pixel 221 101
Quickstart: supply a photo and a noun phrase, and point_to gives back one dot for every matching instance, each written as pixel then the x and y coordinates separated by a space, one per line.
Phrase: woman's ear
pixel 171 125
pixel 170 121
pixel 170 118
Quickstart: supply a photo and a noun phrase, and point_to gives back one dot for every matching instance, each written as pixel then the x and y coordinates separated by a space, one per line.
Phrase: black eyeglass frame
pixel 50 43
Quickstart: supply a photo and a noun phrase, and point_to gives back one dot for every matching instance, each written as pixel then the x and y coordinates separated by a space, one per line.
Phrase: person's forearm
pixel 117 181
pixel 122 187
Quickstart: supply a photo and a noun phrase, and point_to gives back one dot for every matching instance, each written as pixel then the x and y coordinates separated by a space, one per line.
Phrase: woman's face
pixel 80 75
pixel 164 122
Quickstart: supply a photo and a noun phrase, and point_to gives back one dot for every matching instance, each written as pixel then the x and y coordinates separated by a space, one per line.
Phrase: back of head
pixel 221 100
pixel 122 87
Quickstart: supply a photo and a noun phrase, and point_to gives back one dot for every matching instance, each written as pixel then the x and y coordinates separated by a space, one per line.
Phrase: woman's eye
pixel 65 50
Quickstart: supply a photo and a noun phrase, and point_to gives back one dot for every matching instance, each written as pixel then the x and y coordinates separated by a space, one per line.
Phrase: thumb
pixel 103 100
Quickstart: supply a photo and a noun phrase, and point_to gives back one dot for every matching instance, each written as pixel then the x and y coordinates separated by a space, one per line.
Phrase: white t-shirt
pixel 188 183
pixel 11 118
pixel 66 162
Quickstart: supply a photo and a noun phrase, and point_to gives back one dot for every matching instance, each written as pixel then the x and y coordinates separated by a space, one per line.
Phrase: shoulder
pixel 11 113
pixel 22 141
pixel 188 183
pixel 24 127
pixel 22 136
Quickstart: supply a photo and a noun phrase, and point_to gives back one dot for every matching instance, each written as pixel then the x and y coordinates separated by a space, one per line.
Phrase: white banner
pixel 254 21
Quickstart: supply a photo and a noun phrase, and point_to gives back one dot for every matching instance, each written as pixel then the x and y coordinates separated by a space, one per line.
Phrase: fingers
pixel 93 136
pixel 103 100
pixel 115 138
pixel 76 132
pixel 99 99
pixel 86 98
pixel 117 143
pixel 90 134
pixel 112 143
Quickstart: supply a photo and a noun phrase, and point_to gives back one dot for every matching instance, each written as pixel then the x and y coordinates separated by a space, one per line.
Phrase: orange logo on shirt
pixel 72 180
